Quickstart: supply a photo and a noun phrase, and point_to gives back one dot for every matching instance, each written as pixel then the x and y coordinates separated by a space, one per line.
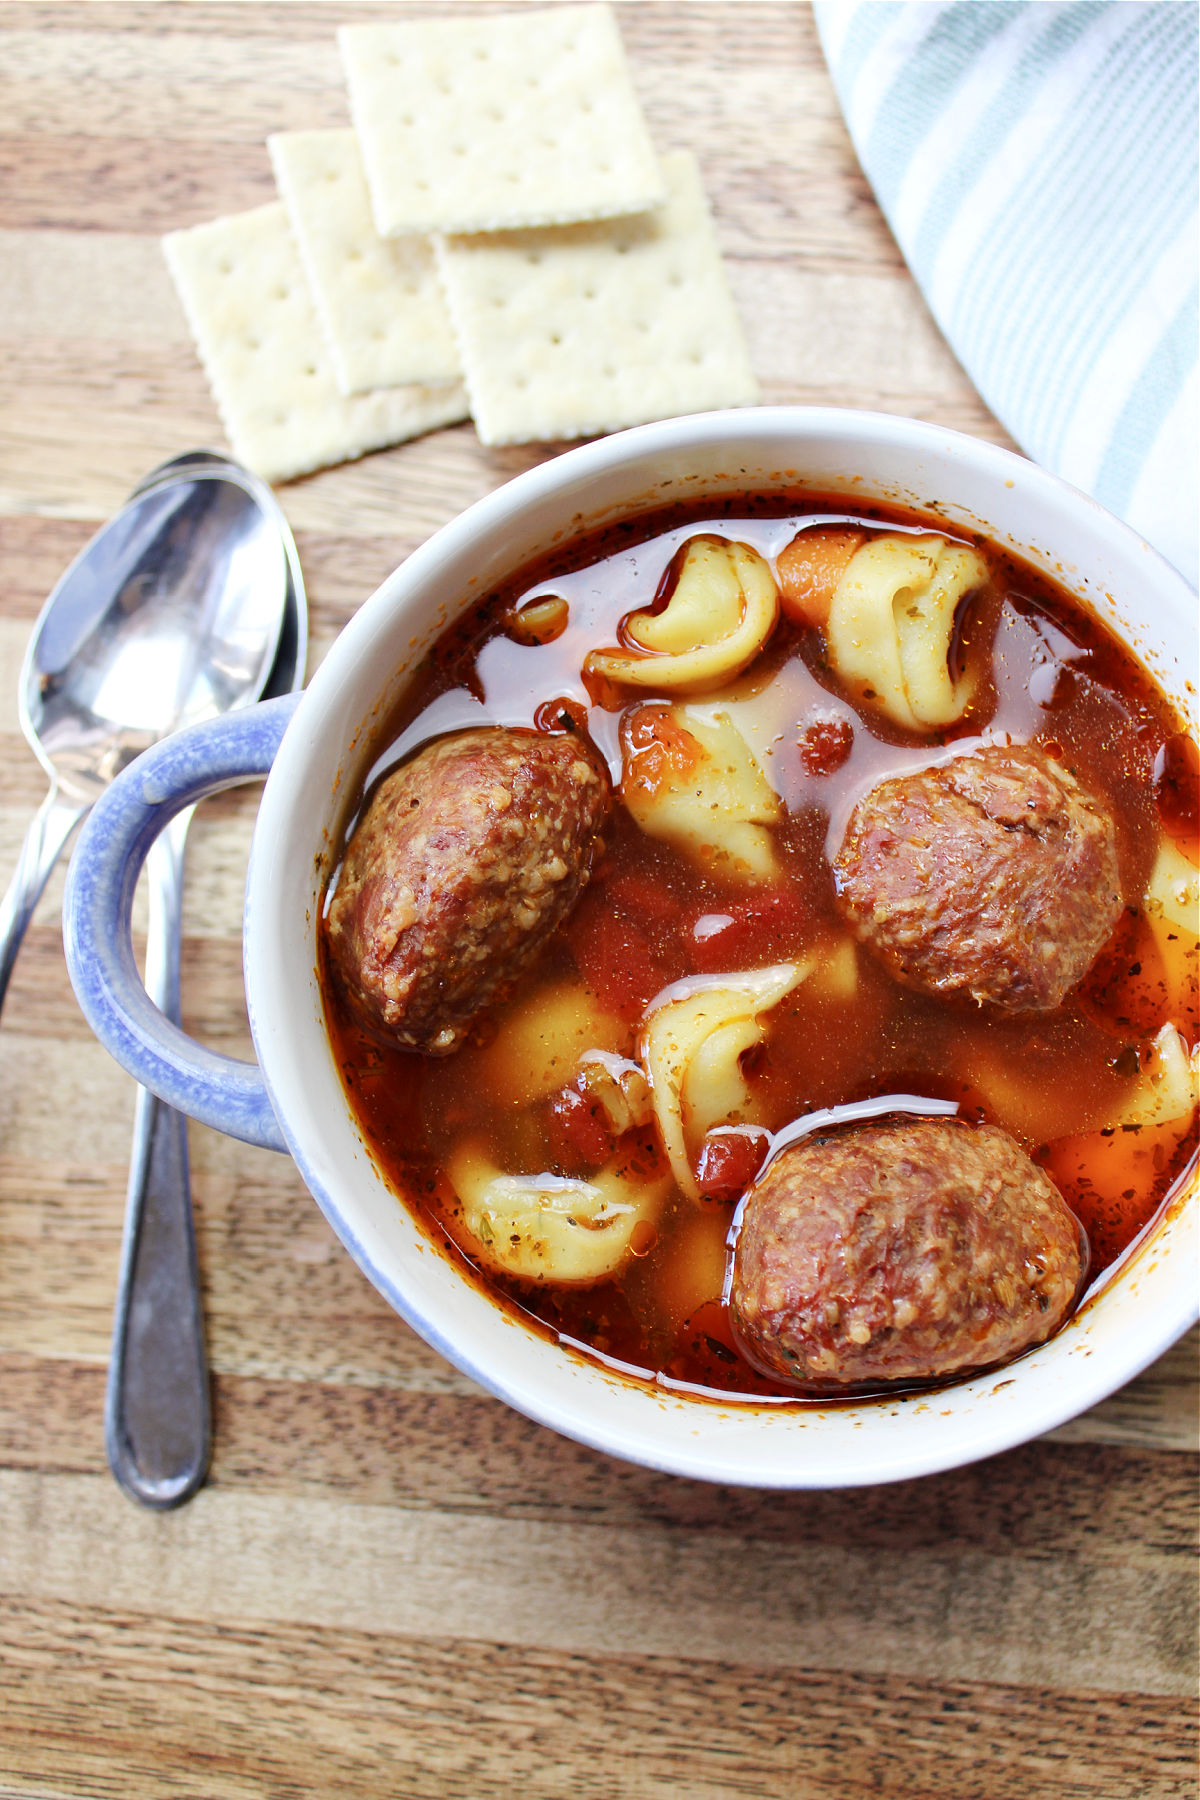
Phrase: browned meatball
pixel 909 1250
pixel 465 861
pixel 993 877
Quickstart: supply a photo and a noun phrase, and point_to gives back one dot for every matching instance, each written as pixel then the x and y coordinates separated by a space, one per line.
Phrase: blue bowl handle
pixel 221 1091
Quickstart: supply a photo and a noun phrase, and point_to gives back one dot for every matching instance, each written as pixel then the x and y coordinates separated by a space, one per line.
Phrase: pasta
pixel 551 1228
pixel 691 779
pixel 691 1045
pixel 1172 910
pixel 541 1042
pixel 1173 892
pixel 1166 1084
pixel 719 616
pixel 617 1088
pixel 891 627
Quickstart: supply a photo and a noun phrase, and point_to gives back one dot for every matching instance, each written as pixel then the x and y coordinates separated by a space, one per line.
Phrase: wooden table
pixel 392 1585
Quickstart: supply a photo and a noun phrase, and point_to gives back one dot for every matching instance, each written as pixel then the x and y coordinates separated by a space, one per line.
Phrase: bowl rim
pixel 1002 1426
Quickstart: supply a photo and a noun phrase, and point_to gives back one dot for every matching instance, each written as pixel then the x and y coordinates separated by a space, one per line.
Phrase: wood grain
pixel 392 1584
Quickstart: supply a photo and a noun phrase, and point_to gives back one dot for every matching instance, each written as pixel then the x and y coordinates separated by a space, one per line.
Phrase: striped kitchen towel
pixel 1038 163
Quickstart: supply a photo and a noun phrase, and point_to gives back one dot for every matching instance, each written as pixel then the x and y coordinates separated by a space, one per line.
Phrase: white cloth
pixel 1039 165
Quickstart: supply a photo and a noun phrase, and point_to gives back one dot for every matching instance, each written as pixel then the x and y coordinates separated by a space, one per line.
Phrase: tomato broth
pixel 1062 1083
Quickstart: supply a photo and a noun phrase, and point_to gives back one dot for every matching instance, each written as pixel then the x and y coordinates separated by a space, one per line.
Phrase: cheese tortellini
pixel 692 1044
pixel 891 627
pixel 1173 892
pixel 541 1041
pixel 719 616
pixel 616 1088
pixel 1166 1087
pixel 691 779
pixel 550 1227
pixel 1172 910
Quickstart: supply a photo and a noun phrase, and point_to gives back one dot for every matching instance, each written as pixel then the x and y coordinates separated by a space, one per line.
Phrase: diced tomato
pixel 764 928
pixel 630 937
pixel 645 898
pixel 730 1158
pixel 616 957
pixel 578 1132
pixel 825 745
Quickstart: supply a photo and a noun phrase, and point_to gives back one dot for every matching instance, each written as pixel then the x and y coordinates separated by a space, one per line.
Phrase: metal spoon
pixel 157 1416
pixel 172 612
pixel 105 669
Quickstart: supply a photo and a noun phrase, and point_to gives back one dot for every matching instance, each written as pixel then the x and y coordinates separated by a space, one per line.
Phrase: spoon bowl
pixel 169 615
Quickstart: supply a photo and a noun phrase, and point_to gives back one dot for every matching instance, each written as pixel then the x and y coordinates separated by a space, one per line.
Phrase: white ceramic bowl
pixel 298 1103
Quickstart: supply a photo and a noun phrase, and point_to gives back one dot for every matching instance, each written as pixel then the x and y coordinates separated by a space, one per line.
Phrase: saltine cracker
pixel 247 303
pixel 582 329
pixel 379 300
pixel 490 123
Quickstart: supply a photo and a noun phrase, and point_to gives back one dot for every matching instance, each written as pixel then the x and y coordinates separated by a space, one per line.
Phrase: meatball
pixel 908 1250
pixel 465 861
pixel 993 876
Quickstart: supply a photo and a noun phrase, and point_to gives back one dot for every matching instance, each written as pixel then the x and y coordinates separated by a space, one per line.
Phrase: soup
pixel 707 994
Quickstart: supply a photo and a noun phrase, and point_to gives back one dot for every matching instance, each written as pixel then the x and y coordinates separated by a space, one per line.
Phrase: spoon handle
pixel 157 1425
pixel 48 832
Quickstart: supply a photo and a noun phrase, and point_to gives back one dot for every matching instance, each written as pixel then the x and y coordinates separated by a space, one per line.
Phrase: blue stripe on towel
pixel 1054 231
pixel 1167 368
